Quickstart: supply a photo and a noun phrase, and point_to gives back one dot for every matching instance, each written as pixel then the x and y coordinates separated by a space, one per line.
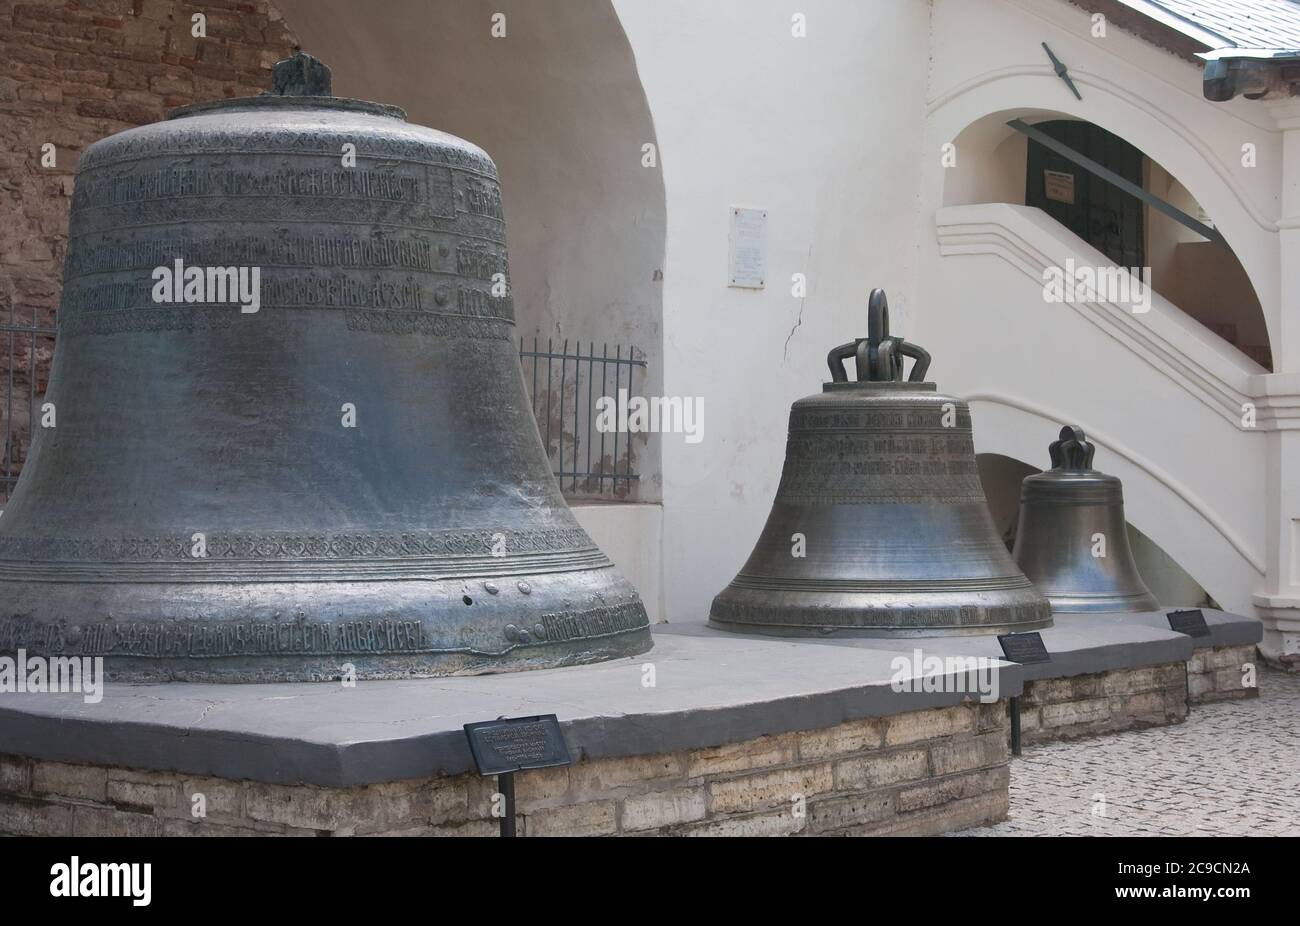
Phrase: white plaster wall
pixel 824 133
pixel 632 536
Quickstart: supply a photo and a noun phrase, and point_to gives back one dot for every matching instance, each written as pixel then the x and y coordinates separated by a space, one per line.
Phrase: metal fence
pixel 26 347
pixel 565 388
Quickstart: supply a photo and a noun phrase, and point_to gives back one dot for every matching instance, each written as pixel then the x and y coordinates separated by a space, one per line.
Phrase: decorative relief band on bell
pixel 476 317
pixel 429 324
pixel 287 247
pixel 902 418
pixel 602 621
pixel 903 468
pixel 295 636
pixel 879 618
pixel 167 182
pixel 283 546
pixel 848 586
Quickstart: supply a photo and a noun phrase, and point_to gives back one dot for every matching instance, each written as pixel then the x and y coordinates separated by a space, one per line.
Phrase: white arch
pixel 1018 92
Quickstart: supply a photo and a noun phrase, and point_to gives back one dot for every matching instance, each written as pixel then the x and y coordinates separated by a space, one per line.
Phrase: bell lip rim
pixel 846 632
pixel 1076 603
pixel 279 102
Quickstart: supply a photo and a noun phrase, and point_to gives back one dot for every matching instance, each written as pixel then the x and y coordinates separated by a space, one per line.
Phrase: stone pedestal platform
pixel 1108 672
pixel 707 734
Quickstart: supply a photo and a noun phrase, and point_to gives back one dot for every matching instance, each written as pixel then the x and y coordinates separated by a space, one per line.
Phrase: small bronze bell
pixel 880 526
pixel 1071 539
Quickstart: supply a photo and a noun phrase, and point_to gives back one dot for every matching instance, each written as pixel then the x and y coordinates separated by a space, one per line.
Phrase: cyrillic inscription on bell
pixel 293 435
pixel 880 526
pixel 1072 539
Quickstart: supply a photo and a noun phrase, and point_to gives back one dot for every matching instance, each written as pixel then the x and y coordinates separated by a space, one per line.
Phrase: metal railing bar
pixel 591 409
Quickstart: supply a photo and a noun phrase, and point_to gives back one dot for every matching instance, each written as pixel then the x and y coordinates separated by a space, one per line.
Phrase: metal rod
pixel 534 376
pixel 618 372
pixel 591 409
pixel 631 368
pixel 550 352
pixel 604 382
pixel 577 395
pixel 506 785
pixel 1124 184
pixel 564 366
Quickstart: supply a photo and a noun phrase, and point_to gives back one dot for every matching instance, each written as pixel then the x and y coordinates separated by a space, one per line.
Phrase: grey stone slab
pixel 1079 644
pixel 709 691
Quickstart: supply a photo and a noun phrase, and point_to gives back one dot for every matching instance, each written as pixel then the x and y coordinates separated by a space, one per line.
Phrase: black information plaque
pixel 515 744
pixel 1191 623
pixel 1024 648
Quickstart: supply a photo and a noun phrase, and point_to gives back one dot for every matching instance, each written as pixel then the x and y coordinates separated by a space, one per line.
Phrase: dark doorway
pixel 1098 212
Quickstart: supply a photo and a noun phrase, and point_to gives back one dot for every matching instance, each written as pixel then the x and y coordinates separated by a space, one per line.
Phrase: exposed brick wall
pixel 72 73
pixel 925 772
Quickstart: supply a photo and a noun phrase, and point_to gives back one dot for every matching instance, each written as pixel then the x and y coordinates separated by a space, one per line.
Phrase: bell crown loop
pixel 301 74
pixel 1071 478
pixel 299 81
pixel 879 356
pixel 1073 451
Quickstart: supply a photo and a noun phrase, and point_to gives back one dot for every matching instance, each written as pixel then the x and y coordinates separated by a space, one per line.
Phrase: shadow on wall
pixel 551 91
pixel 1001 477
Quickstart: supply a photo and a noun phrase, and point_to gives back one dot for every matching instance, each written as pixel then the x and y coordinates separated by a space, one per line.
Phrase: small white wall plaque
pixel 747 260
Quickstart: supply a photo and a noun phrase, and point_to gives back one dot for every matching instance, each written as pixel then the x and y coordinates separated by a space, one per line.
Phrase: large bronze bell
pixel 880 526
pixel 338 470
pixel 1071 539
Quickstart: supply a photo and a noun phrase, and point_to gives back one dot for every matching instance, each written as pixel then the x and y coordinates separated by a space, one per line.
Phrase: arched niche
pixel 1206 280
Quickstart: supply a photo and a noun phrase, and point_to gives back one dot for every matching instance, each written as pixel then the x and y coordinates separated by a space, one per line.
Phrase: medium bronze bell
pixel 337 470
pixel 1071 538
pixel 880 526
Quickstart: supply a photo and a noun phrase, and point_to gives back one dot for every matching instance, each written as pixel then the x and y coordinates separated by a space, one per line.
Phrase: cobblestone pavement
pixel 1232 768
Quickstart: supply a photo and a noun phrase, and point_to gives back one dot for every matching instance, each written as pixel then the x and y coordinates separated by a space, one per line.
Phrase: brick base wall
pixel 1129 699
pixel 1220 674
pixel 925 772
pixel 1104 702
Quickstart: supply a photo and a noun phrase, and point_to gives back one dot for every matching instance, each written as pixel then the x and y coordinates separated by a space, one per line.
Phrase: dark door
pixel 1098 212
